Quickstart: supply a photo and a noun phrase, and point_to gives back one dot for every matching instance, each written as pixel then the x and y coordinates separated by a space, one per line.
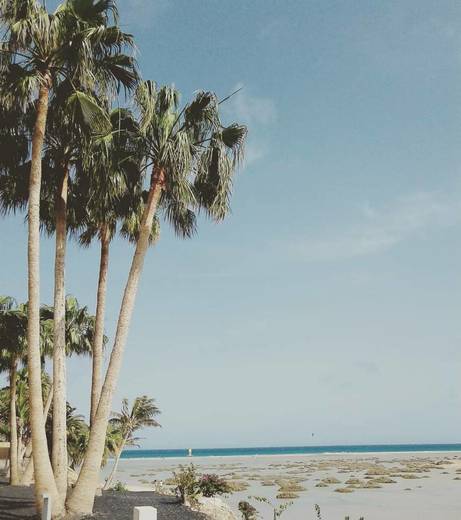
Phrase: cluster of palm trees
pixel 14 398
pixel 82 166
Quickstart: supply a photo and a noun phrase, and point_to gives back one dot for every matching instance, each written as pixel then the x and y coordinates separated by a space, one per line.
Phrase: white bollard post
pixel 46 508
pixel 144 513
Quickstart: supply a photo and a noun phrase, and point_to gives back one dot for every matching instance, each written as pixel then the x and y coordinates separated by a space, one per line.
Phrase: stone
pixel 214 507
pixel 144 513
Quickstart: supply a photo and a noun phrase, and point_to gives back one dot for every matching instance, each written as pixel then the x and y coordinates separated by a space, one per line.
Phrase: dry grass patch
pixel 237 485
pixel 354 482
pixel 289 486
pixel 286 495
pixel 331 480
pixel 384 480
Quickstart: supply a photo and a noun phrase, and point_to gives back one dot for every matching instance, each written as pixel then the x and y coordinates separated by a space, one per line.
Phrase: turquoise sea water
pixel 289 450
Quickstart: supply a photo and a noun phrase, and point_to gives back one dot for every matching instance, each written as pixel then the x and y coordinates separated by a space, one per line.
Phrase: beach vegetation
pixel 247 511
pixel 277 509
pixel 290 486
pixel 211 485
pixel 283 495
pixel 119 487
pixel 127 422
pixel 235 486
pixel 331 480
pixel 186 481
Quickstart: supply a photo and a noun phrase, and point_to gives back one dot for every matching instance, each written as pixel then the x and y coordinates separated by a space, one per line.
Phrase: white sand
pixel 434 494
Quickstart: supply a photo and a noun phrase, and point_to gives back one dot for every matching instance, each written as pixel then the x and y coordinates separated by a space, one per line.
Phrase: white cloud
pixel 252 110
pixel 258 113
pixel 380 229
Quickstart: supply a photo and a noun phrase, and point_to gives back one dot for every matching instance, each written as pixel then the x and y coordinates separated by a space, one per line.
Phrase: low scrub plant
pixel 247 511
pixel 186 481
pixel 189 484
pixel 212 485
pixel 119 487
pixel 277 510
pixel 319 514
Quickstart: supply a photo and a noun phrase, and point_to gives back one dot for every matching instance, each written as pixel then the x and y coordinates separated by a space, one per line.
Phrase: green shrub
pixel 186 482
pixel 212 485
pixel 119 487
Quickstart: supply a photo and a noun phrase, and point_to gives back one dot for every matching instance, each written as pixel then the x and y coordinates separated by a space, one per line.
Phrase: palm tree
pixel 193 158
pixel 41 51
pixel 20 388
pixel 79 336
pixel 13 324
pixel 128 422
pixel 107 192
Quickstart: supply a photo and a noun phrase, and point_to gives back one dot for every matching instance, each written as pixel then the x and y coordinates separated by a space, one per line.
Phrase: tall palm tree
pixel 107 192
pixel 40 51
pixel 193 158
pixel 128 422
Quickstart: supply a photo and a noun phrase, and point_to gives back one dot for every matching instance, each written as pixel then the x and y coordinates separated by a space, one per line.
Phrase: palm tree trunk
pixel 97 358
pixel 44 479
pixel 82 499
pixel 59 443
pixel 14 464
pixel 110 478
pixel 28 475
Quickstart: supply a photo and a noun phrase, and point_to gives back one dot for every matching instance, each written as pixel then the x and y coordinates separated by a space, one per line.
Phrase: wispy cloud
pixel 258 113
pixel 251 109
pixel 381 228
pixel 142 14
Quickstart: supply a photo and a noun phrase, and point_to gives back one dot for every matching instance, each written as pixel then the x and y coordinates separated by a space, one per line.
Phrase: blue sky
pixel 330 300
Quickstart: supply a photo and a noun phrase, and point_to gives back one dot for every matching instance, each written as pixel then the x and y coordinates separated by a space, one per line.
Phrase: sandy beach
pixel 413 486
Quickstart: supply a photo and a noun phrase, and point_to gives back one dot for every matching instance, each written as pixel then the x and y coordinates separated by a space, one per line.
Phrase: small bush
pixel 212 485
pixel 247 511
pixel 186 482
pixel 119 487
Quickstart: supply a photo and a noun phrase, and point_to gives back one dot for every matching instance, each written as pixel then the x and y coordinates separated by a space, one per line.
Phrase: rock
pixel 214 507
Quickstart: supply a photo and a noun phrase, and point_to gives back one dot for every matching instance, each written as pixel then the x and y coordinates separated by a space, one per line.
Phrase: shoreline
pixel 316 454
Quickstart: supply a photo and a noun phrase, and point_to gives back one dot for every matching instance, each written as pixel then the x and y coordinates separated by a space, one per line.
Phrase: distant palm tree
pixel 41 50
pixel 13 327
pixel 192 157
pixel 129 421
pixel 77 437
pixel 19 387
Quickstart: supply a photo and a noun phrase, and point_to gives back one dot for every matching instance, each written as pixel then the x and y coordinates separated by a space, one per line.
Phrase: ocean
pixel 289 450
